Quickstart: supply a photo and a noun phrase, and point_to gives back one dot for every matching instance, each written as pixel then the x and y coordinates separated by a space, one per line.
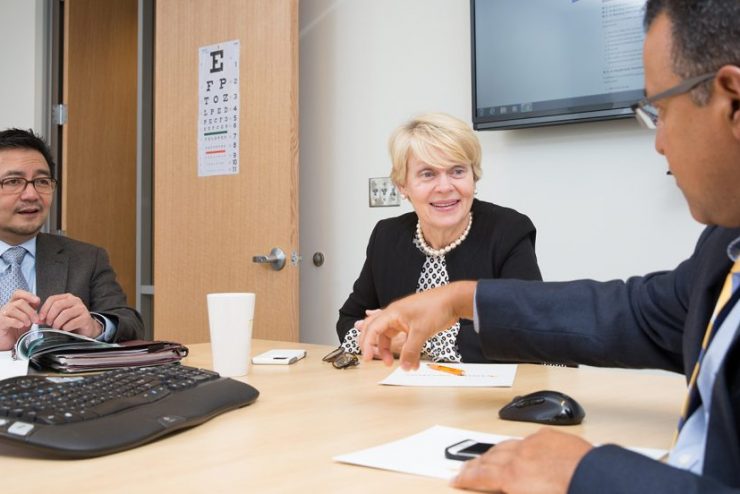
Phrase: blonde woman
pixel 450 235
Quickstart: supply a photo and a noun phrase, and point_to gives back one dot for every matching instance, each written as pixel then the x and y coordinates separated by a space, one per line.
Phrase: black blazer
pixel 653 321
pixel 500 245
pixel 64 265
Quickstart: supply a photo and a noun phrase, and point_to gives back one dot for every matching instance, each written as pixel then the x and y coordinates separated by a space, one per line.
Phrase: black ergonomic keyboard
pixel 93 415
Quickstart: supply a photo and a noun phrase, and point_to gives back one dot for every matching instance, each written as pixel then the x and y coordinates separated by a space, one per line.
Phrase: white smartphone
pixel 466 450
pixel 279 357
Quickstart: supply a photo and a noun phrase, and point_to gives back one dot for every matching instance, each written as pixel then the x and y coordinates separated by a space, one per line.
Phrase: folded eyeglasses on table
pixel 341 359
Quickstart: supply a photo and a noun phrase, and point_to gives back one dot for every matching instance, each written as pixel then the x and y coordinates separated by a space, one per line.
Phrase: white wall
pixel 597 192
pixel 22 77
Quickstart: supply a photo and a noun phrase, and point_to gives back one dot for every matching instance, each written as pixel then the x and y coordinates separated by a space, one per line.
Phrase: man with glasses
pixel 49 280
pixel 685 320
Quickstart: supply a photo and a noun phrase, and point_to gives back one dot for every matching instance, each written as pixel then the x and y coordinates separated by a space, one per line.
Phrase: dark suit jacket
pixel 64 265
pixel 500 244
pixel 655 321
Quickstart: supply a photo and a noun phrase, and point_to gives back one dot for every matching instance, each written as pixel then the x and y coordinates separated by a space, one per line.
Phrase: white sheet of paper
pixel 424 453
pixel 10 367
pixel 476 376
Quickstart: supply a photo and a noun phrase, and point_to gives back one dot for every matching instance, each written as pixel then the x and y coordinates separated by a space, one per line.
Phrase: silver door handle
pixel 276 258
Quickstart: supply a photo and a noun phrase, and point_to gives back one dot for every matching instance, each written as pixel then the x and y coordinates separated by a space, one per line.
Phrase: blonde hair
pixel 437 139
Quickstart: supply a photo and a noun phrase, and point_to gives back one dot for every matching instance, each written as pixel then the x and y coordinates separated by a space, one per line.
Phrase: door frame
pixel 54 63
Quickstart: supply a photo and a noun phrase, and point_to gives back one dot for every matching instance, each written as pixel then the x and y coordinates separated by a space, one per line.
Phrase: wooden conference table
pixel 309 412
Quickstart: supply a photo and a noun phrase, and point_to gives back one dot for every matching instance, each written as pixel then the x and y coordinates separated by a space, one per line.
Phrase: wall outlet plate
pixel 382 193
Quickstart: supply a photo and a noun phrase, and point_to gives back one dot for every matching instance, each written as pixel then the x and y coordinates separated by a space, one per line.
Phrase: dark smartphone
pixel 466 450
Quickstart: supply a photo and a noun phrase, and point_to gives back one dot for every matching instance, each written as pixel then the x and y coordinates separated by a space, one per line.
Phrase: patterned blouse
pixel 441 347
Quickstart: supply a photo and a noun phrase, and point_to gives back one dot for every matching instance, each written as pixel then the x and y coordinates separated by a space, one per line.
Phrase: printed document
pixel 424 453
pixel 475 376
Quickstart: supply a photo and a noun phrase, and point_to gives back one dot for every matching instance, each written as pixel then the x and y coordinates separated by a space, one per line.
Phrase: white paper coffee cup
pixel 230 317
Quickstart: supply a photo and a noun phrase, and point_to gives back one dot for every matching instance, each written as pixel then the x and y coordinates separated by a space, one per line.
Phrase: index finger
pixel 369 316
pixel 377 332
pixel 50 301
pixel 384 349
pixel 362 325
pixel 411 349
pixel 477 475
pixel 28 297
pixel 53 300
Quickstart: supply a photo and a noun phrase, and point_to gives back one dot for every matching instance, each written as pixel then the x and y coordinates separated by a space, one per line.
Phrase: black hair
pixel 705 35
pixel 26 139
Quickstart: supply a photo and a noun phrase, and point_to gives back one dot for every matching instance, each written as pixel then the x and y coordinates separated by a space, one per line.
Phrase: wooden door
pixel 207 229
pixel 98 188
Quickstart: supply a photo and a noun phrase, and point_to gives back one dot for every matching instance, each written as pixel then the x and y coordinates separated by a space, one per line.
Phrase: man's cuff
pixel 109 328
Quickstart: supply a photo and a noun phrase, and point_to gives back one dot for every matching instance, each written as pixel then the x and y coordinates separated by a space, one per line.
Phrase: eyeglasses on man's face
pixel 646 112
pixel 16 185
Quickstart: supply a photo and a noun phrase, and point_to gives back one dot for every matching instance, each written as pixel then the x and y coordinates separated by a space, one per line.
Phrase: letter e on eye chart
pixel 218 109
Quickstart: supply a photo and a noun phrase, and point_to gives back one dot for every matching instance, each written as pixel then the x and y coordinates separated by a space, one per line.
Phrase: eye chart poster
pixel 218 109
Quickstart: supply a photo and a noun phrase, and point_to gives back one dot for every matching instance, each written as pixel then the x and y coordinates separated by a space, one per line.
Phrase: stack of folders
pixel 62 351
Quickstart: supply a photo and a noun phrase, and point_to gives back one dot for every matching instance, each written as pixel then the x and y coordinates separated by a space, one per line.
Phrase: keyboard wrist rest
pixel 138 424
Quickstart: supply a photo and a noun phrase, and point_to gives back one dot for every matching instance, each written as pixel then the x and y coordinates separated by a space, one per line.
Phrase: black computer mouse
pixel 544 407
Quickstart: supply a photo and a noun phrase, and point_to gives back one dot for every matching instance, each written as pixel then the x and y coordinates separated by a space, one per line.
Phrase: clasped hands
pixel 63 311
pixel 543 462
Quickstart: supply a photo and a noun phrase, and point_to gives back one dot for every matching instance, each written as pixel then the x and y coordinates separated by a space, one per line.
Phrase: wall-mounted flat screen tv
pixel 547 62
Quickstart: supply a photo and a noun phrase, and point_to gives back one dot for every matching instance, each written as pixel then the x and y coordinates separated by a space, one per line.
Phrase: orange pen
pixel 449 370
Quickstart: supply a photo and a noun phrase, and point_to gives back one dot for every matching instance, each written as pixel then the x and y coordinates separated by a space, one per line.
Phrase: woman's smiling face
pixel 441 196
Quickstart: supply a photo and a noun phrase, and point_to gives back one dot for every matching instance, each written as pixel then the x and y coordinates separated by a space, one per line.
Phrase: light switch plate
pixel 382 193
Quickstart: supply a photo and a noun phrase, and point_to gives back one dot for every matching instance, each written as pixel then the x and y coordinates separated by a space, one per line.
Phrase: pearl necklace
pixel 444 250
